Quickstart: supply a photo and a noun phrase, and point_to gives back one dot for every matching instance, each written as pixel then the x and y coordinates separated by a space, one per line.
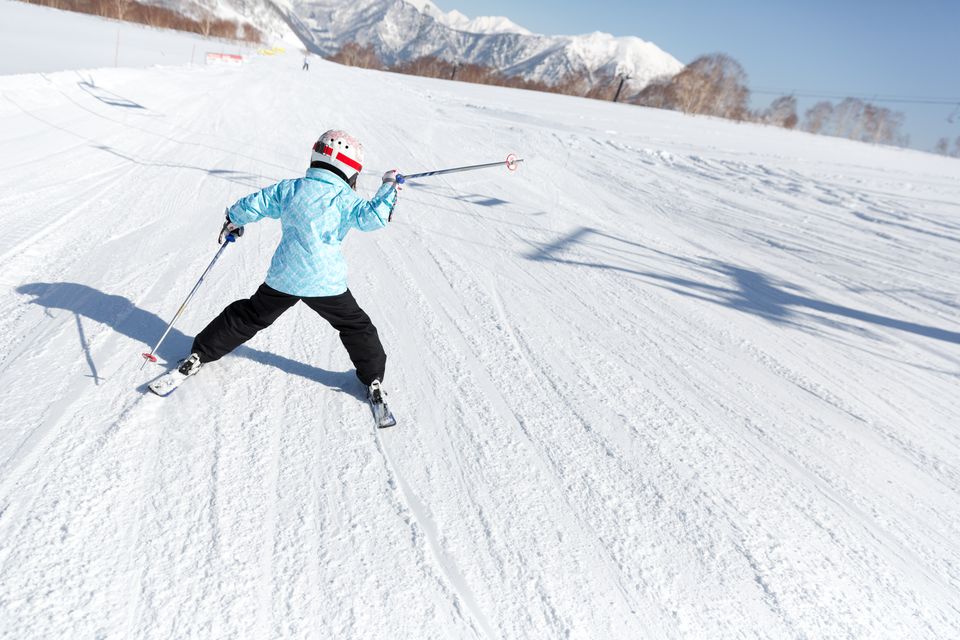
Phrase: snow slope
pixel 676 378
pixel 35 39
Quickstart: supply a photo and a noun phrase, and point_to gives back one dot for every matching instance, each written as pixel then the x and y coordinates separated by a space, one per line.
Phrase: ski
pixel 167 383
pixel 382 415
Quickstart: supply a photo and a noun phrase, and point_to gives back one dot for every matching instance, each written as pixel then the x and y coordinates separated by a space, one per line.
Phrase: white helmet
pixel 340 150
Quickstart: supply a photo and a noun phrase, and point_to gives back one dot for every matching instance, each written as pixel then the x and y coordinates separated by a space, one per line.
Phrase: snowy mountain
pixel 676 377
pixel 401 30
pixel 456 20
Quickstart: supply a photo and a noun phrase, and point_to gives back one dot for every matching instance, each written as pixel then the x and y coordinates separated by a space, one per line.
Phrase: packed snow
pixel 674 378
pixel 36 39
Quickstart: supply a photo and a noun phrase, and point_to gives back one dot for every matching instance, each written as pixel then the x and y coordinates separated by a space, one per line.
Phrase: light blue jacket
pixel 315 213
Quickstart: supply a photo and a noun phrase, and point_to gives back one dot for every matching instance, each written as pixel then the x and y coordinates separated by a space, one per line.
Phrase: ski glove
pixel 227 229
pixel 391 176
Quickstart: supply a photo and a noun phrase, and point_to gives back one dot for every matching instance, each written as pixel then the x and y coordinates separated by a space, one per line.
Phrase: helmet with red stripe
pixel 340 150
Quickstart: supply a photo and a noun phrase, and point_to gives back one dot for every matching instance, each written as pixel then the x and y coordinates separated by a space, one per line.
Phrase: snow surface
pixel 36 39
pixel 675 378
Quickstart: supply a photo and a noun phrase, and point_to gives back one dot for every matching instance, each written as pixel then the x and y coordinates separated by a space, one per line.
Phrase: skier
pixel 306 64
pixel 315 214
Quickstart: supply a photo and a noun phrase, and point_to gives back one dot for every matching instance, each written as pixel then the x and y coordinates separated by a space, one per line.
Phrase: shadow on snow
pixel 238 177
pixel 749 291
pixel 121 315
pixel 108 97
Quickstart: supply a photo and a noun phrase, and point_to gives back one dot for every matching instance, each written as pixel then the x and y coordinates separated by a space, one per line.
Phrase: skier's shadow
pixel 108 97
pixel 121 315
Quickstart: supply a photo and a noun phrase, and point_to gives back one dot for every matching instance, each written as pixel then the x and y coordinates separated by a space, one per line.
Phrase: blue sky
pixel 909 48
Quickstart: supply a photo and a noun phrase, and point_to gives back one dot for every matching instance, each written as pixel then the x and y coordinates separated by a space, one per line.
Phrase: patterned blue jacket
pixel 315 213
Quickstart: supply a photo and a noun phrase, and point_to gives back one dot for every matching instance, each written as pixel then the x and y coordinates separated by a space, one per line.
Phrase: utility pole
pixel 623 78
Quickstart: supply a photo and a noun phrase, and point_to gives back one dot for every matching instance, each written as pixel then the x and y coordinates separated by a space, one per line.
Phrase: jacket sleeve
pixel 265 203
pixel 370 215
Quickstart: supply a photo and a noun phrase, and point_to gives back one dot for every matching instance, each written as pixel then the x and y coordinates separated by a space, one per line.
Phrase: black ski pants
pixel 241 320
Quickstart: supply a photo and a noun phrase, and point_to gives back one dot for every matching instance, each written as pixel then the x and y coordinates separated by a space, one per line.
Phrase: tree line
pixel 716 85
pixel 713 84
pixel 943 147
pixel 154 16
pixel 365 56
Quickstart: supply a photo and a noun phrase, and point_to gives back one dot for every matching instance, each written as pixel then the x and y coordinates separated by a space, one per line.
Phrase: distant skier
pixel 306 64
pixel 315 214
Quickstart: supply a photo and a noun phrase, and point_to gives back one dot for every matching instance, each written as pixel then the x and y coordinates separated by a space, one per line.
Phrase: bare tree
pixel 656 94
pixel 881 125
pixel 782 112
pixel 603 88
pixel 120 8
pixel 151 15
pixel 250 33
pixel 714 84
pixel 428 66
pixel 848 118
pixel 358 55
pixel 817 118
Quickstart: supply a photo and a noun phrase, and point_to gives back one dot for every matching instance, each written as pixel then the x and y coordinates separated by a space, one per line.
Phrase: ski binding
pixel 382 415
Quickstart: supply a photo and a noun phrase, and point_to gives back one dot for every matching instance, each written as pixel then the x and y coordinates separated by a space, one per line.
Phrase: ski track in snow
pixel 676 377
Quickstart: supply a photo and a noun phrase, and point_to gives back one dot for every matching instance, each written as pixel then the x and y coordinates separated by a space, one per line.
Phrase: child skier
pixel 315 214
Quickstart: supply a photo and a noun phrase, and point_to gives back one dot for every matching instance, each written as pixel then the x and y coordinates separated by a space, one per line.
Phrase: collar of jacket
pixel 331 175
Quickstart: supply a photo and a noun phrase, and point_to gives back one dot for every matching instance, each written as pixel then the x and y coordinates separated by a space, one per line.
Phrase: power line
pixel 885 95
pixel 874 98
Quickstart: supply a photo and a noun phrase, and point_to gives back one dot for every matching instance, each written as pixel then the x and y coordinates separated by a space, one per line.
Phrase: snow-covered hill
pixel 675 378
pixel 35 39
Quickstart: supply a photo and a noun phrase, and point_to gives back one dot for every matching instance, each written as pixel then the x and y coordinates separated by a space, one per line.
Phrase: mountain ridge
pixel 402 30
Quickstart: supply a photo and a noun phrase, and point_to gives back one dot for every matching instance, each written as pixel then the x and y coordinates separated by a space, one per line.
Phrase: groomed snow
pixel 35 39
pixel 675 378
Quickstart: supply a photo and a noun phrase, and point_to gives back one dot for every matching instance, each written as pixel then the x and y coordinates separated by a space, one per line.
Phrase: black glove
pixel 227 229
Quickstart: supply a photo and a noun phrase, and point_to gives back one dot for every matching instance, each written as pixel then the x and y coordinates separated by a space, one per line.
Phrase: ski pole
pixel 511 162
pixel 150 356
